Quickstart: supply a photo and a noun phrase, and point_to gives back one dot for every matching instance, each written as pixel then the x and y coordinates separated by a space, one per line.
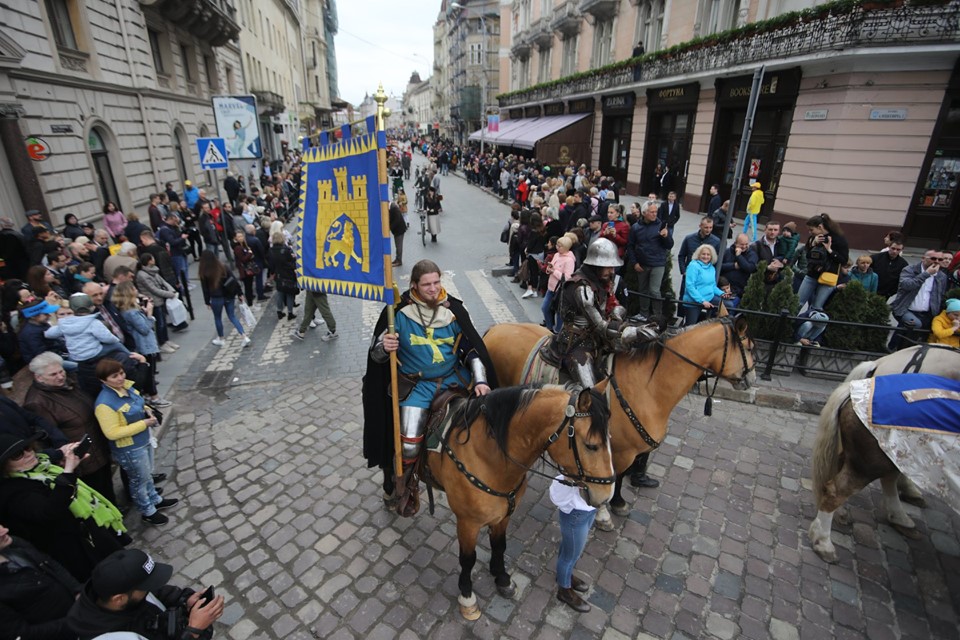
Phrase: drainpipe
pixel 136 85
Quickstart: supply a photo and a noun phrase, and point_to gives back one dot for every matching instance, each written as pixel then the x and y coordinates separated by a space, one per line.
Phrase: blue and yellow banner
pixel 340 236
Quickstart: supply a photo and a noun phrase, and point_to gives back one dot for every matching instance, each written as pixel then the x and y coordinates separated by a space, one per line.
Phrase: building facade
pixel 103 100
pixel 857 114
pixel 418 104
pixel 466 65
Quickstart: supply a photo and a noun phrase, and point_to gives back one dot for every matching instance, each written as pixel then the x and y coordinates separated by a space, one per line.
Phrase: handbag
pixel 246 315
pixel 176 311
pixel 828 278
pixel 231 287
pixel 505 234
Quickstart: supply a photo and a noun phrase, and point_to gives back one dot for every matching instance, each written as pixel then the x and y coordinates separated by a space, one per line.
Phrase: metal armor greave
pixel 412 423
pixel 584 372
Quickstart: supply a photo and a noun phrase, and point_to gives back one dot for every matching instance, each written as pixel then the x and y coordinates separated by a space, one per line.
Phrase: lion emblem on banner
pixel 341 240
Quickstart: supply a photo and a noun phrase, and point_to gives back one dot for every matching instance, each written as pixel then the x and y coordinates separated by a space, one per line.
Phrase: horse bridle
pixel 570 414
pixel 628 410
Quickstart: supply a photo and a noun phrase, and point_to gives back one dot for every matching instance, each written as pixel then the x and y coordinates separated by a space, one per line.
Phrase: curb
pixel 805 402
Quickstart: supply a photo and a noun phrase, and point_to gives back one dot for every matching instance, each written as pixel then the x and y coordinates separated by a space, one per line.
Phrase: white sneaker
pixel 166 349
pixel 218 342
pixel 191 286
pixel 529 294
pixel 246 341
pixel 172 345
pixel 316 323
pixel 330 335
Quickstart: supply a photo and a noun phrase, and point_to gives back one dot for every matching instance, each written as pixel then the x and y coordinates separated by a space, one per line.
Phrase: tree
pixel 855 304
pixel 758 295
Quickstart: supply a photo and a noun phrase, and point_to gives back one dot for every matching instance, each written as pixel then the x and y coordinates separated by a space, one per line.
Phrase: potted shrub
pixel 760 295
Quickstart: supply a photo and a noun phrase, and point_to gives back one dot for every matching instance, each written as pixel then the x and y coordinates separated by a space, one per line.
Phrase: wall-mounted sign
pixel 38 149
pixel 532 111
pixel 61 128
pixel 621 102
pixel 888 114
pixel 815 114
pixel 553 109
pixel 687 94
pixel 238 124
pixel 583 105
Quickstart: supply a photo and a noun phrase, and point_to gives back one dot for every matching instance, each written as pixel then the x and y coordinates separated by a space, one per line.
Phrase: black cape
pixel 377 408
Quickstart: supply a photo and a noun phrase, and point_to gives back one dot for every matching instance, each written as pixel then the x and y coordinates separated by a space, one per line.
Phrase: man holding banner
pixel 438 349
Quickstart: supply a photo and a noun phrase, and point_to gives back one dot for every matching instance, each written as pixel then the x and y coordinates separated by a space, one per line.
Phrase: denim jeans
pixel 218 305
pixel 285 300
pixel 548 316
pixel 574 531
pixel 180 268
pixel 692 311
pixel 138 463
pixel 813 292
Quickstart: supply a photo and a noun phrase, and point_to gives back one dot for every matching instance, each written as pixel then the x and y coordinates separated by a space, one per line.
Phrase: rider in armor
pixel 593 319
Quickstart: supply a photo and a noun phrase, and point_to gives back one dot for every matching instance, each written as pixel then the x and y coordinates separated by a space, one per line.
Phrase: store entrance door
pixel 934 216
pixel 668 146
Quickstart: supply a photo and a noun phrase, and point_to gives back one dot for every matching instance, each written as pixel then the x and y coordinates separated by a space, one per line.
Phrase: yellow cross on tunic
pixel 434 344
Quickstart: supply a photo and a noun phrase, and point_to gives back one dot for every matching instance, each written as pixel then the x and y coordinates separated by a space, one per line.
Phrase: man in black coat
pixel 669 211
pixel 36 592
pixel 888 265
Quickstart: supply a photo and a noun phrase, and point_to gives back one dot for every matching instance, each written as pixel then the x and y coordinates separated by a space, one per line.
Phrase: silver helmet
pixel 603 253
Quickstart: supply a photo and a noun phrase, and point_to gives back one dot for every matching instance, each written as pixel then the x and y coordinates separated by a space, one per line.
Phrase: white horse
pixel 846 457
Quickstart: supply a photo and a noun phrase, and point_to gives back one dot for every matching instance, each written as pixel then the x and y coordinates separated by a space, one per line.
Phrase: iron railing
pixel 852 28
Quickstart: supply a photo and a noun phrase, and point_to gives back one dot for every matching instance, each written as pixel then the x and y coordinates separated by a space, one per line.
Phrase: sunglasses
pixel 18 456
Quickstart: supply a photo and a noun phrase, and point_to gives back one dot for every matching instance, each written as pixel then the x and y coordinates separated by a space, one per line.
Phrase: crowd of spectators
pixel 87 313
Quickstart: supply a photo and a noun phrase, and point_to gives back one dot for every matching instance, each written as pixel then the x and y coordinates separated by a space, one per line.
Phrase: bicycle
pixel 423 225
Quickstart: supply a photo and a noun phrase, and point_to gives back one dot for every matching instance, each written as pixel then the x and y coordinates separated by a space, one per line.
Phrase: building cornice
pixel 96 85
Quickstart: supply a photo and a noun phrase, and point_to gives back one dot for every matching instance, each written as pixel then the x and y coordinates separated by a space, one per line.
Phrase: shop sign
pixel 673 96
pixel 553 109
pixel 583 105
pixel 61 128
pixel 815 114
pixel 532 112
pixel 38 149
pixel 888 114
pixel 775 86
pixel 619 102
pixel 516 113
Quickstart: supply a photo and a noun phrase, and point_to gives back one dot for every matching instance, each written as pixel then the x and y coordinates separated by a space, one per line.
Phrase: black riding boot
pixel 638 473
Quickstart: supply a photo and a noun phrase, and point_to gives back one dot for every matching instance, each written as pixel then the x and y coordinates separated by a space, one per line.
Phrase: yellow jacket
pixel 111 411
pixel 755 202
pixel 942 331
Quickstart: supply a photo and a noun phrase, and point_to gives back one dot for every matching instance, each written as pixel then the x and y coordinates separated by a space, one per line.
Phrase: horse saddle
pixel 442 410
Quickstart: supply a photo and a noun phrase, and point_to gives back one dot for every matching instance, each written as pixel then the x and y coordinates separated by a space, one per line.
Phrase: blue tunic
pixel 431 354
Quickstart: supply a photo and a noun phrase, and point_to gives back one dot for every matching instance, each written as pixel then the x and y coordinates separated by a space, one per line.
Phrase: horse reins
pixel 570 414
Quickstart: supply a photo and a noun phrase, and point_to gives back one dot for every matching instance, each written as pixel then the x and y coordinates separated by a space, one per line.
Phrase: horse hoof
pixel 604 525
pixel 826 554
pixel 917 501
pixel 508 591
pixel 468 607
pixel 620 510
pixel 907 532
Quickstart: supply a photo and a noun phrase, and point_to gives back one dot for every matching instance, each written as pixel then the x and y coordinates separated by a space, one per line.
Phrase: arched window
pixel 181 153
pixel 101 165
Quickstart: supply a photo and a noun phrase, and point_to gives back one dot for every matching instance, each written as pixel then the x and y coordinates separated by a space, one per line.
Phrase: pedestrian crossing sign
pixel 213 153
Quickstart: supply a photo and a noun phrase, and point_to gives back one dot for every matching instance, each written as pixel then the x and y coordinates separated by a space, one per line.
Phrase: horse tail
pixel 826 449
pixel 862 371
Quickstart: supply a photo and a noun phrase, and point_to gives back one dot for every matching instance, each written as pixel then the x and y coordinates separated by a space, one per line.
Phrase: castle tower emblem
pixel 343 230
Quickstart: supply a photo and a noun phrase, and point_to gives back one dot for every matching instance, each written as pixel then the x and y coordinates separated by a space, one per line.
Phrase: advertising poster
pixel 237 123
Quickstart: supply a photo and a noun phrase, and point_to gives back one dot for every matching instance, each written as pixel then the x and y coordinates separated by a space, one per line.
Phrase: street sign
pixel 213 153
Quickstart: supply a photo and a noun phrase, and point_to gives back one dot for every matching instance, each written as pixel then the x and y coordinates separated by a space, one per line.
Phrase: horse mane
pixel 655 348
pixel 500 406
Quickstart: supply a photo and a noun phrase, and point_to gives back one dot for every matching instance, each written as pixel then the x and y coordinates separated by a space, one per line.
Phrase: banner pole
pixel 381 98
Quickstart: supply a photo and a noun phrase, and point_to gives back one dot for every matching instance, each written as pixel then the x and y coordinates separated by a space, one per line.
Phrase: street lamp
pixel 483 62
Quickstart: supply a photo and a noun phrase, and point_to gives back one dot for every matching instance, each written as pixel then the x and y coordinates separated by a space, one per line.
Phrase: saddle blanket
pixel 915 418
pixel 536 370
pixel 437 434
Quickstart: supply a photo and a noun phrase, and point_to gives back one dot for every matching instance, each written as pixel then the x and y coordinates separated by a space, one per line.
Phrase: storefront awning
pixel 526 132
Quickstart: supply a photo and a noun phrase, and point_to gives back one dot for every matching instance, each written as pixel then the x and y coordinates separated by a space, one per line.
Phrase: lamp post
pixel 483 62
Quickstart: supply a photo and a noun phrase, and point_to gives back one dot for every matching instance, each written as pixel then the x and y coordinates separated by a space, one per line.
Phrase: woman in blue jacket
pixel 702 293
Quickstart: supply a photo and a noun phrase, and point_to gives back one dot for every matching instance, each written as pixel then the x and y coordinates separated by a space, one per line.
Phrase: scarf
pixel 427 316
pixel 87 502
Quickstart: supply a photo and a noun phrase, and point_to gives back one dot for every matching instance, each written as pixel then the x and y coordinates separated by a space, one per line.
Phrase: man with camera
pixel 128 591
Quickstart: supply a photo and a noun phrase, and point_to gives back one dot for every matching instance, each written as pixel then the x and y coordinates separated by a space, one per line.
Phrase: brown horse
pixel 492 444
pixel 847 457
pixel 648 381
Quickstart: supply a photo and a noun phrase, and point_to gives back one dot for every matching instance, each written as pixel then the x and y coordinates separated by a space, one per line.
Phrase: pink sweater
pixel 563 264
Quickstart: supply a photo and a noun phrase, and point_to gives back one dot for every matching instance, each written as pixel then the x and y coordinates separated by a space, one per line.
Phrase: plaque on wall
pixel 675 96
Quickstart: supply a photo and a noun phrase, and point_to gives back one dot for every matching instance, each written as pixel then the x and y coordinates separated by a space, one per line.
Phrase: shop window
pixel 602 43
pixel 61 21
pixel 101 165
pixel 569 64
pixel 650 24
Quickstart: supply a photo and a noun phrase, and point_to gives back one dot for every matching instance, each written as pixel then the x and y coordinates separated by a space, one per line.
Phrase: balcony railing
pixel 600 8
pixel 540 33
pixel 845 28
pixel 268 102
pixel 214 21
pixel 566 18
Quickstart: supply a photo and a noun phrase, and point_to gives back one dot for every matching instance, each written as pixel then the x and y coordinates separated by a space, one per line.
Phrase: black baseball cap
pixel 128 570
